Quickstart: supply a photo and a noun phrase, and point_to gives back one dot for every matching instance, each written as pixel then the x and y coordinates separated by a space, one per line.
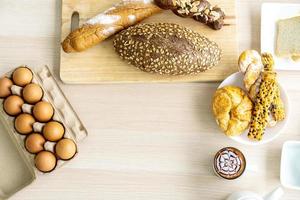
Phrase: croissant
pixel 232 109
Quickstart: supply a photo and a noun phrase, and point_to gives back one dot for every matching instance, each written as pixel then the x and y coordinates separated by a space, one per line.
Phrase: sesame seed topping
pixel 166 48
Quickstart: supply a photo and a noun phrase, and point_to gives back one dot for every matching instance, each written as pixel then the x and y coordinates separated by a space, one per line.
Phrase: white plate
pixel 236 79
pixel 270 14
pixel 289 169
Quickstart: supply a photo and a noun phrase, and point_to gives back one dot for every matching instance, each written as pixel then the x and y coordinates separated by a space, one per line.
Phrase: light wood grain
pixel 101 64
pixel 146 141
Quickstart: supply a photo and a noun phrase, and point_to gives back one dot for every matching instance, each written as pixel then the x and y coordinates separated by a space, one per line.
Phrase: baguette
pixel 108 23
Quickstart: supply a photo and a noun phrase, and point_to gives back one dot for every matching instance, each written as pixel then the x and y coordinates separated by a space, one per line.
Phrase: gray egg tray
pixel 16 162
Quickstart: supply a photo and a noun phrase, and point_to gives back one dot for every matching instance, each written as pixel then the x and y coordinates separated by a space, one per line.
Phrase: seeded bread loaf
pixel 165 48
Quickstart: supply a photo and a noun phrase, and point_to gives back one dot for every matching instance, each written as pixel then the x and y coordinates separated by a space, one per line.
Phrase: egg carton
pixel 63 112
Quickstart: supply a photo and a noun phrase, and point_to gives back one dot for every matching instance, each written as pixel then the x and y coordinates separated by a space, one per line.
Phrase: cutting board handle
pixel 75 20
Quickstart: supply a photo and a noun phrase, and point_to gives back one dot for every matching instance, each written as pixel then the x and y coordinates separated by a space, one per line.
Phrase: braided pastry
pixel 251 64
pixel 260 114
pixel 277 107
pixel 200 10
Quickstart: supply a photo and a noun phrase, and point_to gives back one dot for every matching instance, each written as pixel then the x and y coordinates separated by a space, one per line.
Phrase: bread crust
pixel 108 23
pixel 167 49
pixel 251 66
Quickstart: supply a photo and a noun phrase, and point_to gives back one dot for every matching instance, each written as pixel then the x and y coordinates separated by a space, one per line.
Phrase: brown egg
pixel 32 93
pixel 43 111
pixel 24 123
pixel 34 143
pixel 53 131
pixel 13 105
pixel 65 149
pixel 45 161
pixel 22 76
pixel 5 85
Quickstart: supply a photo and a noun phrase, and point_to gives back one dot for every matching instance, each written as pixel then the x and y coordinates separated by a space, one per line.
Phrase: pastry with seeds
pixel 264 99
pixel 167 49
pixel 277 107
pixel 253 65
pixel 200 10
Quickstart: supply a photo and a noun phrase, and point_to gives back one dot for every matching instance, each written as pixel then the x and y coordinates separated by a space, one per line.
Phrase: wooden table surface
pixel 146 141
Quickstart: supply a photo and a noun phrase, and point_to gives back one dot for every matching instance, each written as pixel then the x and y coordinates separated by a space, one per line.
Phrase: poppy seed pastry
pixel 166 48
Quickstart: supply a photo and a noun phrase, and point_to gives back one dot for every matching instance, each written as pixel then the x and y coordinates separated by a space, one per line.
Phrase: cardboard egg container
pixel 17 166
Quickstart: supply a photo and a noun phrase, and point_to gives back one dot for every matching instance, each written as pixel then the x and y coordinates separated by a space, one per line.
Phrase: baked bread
pixel 167 4
pixel 166 48
pixel 288 40
pixel 200 10
pixel 265 96
pixel 106 24
pixel 232 109
pixel 250 65
pixel 253 65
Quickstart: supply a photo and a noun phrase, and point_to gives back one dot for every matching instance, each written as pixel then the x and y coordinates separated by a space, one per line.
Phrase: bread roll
pixel 168 49
pixel 251 66
pixel 106 24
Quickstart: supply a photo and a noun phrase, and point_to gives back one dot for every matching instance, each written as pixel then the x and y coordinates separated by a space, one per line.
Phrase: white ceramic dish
pixel 270 14
pixel 290 165
pixel 276 194
pixel 236 79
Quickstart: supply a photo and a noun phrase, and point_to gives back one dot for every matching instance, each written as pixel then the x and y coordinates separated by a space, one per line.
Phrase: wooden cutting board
pixel 101 64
